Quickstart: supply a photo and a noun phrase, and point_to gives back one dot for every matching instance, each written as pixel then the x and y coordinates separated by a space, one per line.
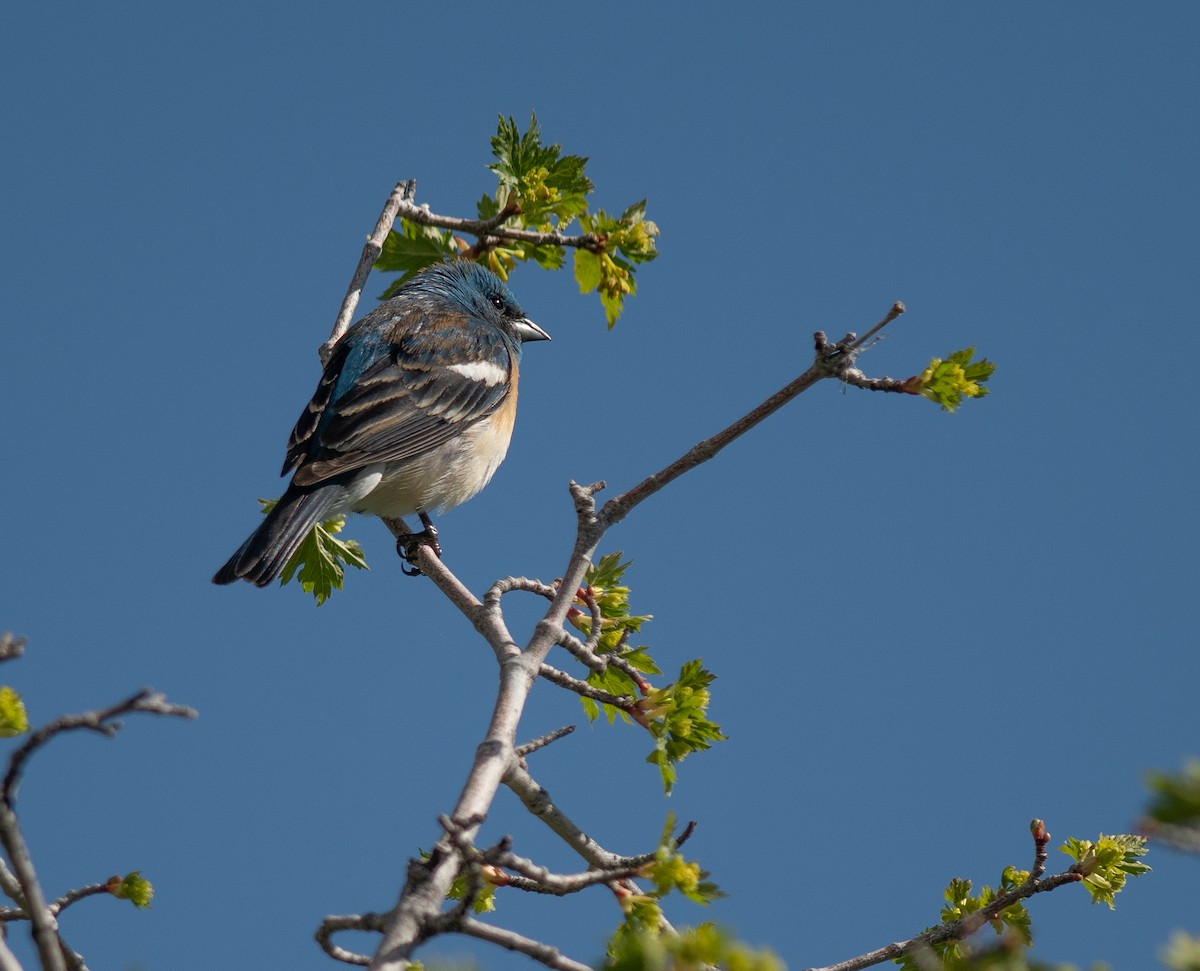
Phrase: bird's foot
pixel 408 545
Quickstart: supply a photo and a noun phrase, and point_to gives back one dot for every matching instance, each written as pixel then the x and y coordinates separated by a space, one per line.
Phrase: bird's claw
pixel 408 545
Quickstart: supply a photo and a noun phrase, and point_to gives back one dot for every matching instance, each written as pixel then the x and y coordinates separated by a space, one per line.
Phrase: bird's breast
pixel 445 477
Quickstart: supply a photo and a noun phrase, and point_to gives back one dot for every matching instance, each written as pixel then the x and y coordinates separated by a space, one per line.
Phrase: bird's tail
pixel 264 555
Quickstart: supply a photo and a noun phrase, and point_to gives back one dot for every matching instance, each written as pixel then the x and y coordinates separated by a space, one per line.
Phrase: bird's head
pixel 482 294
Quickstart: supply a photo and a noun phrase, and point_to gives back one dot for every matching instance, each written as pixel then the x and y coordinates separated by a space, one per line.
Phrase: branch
pixel 550 956
pixel 420 900
pixel 53 953
pixel 956 930
pixel 542 741
pixel 101 722
pixel 832 361
pixel 533 878
pixel 417 912
pixel 59 905
pixel 488 231
pixel 351 922
pixel 538 801
pixel 624 702
pixel 401 194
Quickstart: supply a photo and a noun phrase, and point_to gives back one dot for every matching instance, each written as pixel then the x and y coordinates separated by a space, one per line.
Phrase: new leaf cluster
pixel 541 190
pixel 947 382
pixel 640 940
pixel 676 715
pixel 1107 863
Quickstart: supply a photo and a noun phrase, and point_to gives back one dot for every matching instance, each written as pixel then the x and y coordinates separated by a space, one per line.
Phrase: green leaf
pixel 587 270
pixel 485 899
pixel 947 382
pixel 680 723
pixel 1107 863
pixel 132 887
pixel 411 250
pixel 1176 796
pixel 646 948
pixel 14 720
pixel 612 276
pixel 640 935
pixel 547 189
pixel 317 562
pixel 670 871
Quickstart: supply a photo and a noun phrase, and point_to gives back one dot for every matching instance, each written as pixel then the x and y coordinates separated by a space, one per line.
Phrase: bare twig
pixel 896 310
pixel 539 802
pixel 402 193
pixel 510 584
pixel 582 653
pixel 533 878
pixel 350 922
pixel 56 907
pixel 597 625
pixel 538 743
pixel 683 837
pixel 102 722
pixel 550 956
pixel 832 361
pixel 53 953
pixel 489 231
pixel 584 690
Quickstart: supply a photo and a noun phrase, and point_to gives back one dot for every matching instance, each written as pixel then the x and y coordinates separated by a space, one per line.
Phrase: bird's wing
pixel 394 394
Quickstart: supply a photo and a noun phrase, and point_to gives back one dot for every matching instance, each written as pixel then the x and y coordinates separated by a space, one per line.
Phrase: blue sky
pixel 928 629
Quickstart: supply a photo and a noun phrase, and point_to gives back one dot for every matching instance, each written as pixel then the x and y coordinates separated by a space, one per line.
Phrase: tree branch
pixel 56 907
pixel 102 722
pixel 542 741
pixel 351 922
pixel 957 930
pixel 533 878
pixel 550 956
pixel 625 703
pixel 427 884
pixel 52 952
pixel 488 231
pixel 832 361
pixel 401 194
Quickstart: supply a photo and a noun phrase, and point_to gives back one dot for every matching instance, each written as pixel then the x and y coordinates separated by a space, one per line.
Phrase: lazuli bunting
pixel 413 414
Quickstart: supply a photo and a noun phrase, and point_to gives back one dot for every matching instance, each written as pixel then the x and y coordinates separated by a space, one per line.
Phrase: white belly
pixel 438 480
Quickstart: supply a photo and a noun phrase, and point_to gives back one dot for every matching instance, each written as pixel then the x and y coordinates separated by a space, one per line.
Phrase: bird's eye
pixel 498 302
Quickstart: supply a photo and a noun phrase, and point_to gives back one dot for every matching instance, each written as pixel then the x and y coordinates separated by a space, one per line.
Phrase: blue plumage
pixel 413 413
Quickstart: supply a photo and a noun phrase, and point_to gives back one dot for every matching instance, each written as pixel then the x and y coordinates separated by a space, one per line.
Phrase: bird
pixel 413 414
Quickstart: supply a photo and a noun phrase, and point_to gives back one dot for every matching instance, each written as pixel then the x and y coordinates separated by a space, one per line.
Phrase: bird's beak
pixel 527 330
